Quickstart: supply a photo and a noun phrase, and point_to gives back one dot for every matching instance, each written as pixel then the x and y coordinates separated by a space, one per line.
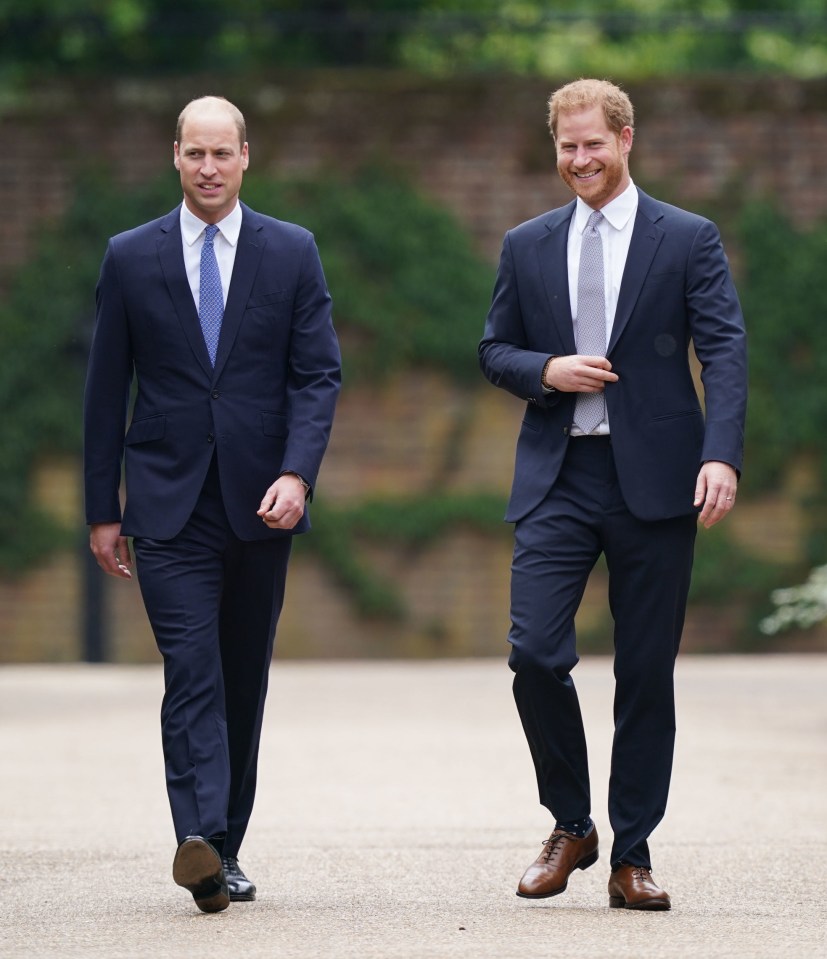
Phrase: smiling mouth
pixel 586 176
pixel 210 187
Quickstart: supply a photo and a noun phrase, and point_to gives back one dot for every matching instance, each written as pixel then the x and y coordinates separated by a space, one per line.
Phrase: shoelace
pixel 553 844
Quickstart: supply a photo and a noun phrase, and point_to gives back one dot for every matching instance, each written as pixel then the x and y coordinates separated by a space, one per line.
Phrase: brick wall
pixel 479 146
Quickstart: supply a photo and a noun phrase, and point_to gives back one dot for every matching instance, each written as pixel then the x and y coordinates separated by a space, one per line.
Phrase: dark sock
pixel 217 842
pixel 577 827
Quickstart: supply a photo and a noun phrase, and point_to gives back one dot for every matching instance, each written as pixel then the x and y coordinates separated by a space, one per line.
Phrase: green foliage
pixel 406 523
pixel 623 38
pixel 628 39
pixel 45 324
pixel 724 571
pixel 409 289
pixel 785 302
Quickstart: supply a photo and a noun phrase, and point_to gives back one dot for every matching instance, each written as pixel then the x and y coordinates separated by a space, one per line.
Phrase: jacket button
pixel 215 394
pixel 210 438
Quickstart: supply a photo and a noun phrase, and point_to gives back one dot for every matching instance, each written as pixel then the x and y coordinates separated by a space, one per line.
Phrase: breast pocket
pixel 267 299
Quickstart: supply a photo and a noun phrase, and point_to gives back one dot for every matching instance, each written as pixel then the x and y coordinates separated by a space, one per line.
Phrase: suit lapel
pixel 646 238
pixel 552 253
pixel 171 255
pixel 247 258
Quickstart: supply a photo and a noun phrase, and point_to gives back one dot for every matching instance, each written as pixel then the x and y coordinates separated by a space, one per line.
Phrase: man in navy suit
pixel 594 307
pixel 228 335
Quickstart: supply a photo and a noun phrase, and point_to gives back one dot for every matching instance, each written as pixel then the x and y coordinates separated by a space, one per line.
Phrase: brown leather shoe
pixel 632 887
pixel 563 853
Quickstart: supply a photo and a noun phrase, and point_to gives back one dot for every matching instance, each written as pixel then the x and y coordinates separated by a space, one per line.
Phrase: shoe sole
pixel 584 863
pixel 646 905
pixel 197 867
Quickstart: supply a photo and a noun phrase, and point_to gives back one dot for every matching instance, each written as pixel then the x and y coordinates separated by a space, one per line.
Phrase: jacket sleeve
pixel 719 338
pixel 314 376
pixel 505 357
pixel 106 397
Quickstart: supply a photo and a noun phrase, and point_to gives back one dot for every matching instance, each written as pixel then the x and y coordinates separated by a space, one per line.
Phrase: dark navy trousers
pixel 649 564
pixel 213 602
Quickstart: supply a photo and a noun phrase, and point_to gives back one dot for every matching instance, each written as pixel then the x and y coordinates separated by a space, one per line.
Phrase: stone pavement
pixel 396 811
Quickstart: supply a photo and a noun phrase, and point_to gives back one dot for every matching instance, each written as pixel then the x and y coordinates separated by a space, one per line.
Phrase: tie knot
pixel 209 233
pixel 594 221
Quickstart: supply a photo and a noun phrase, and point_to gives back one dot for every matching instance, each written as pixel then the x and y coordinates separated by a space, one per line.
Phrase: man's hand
pixel 283 504
pixel 111 550
pixel 716 489
pixel 579 374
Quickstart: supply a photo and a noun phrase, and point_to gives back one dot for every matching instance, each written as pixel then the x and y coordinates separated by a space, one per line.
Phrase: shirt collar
pixel 192 226
pixel 617 213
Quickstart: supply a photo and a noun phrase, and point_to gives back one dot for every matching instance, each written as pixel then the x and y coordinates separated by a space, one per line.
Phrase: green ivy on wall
pixel 785 302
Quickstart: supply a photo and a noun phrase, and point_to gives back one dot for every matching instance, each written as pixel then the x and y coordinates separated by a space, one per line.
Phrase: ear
pixel 245 156
pixel 176 156
pixel 627 134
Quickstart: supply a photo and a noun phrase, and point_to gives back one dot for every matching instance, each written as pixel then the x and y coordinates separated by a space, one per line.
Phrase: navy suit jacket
pixel 266 407
pixel 676 288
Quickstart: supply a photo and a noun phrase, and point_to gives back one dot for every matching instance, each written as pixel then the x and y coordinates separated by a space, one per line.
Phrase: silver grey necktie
pixel 591 319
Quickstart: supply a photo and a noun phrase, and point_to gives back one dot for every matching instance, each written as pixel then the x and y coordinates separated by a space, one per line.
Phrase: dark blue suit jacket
pixel 266 407
pixel 676 288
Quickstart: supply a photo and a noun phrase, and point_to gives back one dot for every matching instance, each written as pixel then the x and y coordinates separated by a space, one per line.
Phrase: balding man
pixel 223 318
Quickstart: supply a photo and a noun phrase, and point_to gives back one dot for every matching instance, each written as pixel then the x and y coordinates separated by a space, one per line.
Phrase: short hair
pixel 231 108
pixel 586 93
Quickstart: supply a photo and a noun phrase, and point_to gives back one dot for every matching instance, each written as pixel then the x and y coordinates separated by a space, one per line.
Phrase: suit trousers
pixel 649 566
pixel 213 601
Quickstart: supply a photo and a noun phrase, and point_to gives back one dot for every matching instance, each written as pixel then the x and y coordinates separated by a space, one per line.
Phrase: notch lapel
pixel 247 259
pixel 171 255
pixel 646 238
pixel 552 253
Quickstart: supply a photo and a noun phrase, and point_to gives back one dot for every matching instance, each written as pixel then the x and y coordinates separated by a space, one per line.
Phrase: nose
pixel 581 157
pixel 207 166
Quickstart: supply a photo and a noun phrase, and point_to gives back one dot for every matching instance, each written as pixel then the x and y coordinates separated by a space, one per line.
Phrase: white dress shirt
pixel 615 231
pixel 225 245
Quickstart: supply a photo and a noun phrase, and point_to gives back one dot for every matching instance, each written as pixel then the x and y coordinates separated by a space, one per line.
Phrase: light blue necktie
pixel 590 408
pixel 211 296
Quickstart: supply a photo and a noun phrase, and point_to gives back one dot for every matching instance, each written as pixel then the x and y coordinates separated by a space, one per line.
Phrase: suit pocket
pixel 273 424
pixel 146 429
pixel 533 419
pixel 677 416
pixel 266 299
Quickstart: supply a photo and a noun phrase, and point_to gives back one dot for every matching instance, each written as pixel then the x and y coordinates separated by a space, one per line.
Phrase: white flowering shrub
pixel 798 606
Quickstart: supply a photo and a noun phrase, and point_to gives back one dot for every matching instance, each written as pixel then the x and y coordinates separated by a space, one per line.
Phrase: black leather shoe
pixel 241 889
pixel 197 867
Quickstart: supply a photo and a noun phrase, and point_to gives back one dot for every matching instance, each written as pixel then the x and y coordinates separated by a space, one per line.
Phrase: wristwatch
pixel 301 479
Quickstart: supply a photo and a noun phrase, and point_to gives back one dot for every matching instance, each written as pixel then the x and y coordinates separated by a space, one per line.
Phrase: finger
pixel 715 510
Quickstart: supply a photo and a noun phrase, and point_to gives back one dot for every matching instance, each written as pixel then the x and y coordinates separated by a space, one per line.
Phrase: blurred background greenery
pixel 624 38
pixel 410 282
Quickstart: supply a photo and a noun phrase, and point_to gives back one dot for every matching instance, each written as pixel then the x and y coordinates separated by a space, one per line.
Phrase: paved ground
pixel 396 811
